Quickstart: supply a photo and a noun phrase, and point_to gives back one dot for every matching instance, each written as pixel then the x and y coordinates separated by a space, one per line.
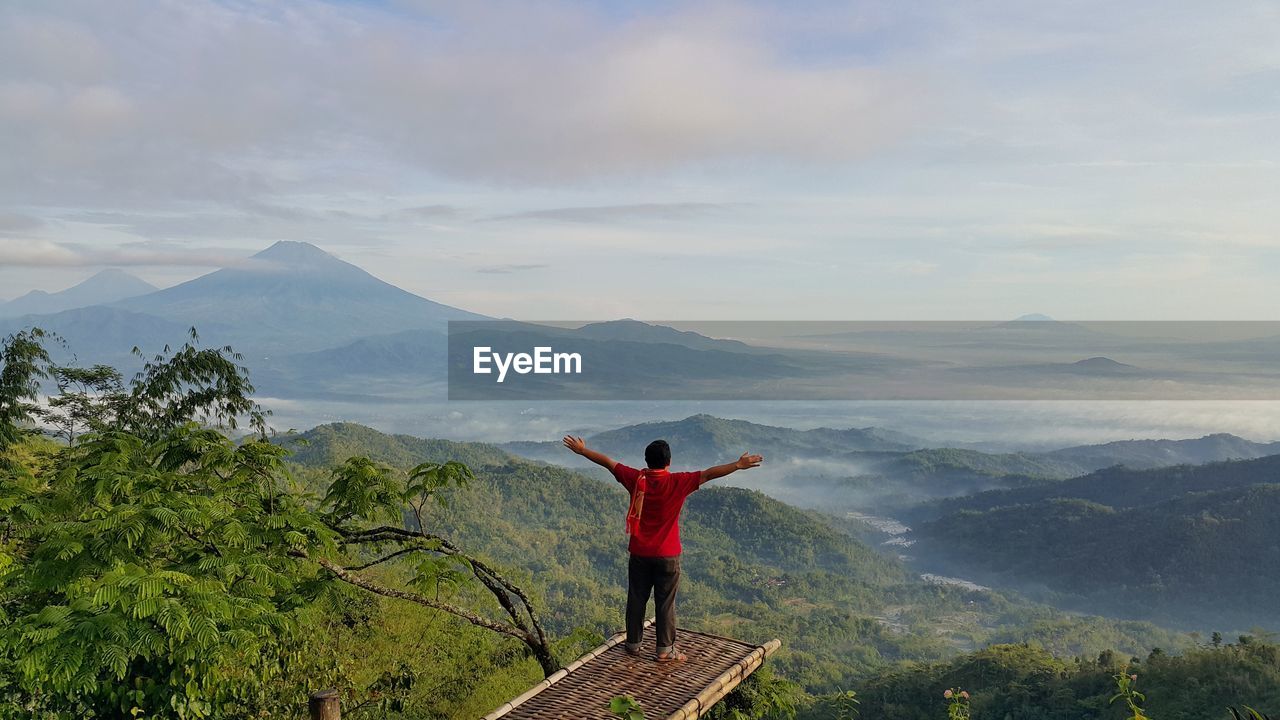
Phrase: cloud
pixel 49 254
pixel 619 213
pixel 17 224
pixel 428 212
pixel 508 269
pixel 917 267
pixel 253 99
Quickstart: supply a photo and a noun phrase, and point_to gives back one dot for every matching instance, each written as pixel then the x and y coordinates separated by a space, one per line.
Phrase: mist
pixel 986 425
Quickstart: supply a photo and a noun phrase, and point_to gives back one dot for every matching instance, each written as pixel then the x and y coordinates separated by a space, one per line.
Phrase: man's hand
pixel 575 444
pixel 579 446
pixel 746 462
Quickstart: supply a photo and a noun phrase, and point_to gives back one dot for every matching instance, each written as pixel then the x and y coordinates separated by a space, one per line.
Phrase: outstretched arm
pixel 745 462
pixel 579 446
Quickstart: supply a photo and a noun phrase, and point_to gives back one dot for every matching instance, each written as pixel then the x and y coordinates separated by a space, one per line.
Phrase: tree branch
pixel 344 575
pixel 391 533
pixel 385 558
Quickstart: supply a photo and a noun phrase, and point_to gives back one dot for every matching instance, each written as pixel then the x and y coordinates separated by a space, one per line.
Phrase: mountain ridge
pixel 104 286
pixel 301 298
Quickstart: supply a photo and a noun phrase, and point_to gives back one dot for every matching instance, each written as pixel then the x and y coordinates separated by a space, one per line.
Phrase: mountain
pixel 104 287
pixel 294 297
pixel 329 445
pixel 102 334
pixel 396 365
pixel 1102 364
pixel 1121 487
pixel 701 440
pixel 625 354
pixel 1144 454
pixel 620 369
pixel 882 472
pixel 923 484
pixel 831 470
pixel 1202 559
pixel 636 331
pixel 878 472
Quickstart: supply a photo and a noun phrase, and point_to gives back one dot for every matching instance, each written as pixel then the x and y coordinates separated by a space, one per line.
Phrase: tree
pixel 82 401
pixel 25 364
pixel 163 563
pixel 155 565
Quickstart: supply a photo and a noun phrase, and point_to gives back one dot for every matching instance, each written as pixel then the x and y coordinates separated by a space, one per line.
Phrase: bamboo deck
pixel 675 691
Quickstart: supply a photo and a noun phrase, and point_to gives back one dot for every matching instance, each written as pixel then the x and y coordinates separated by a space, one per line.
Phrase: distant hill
pixel 978 479
pixel 652 364
pixel 1202 559
pixel 1101 363
pixel 294 297
pixel 882 471
pixel 1121 487
pixel 1142 454
pixel 329 445
pixel 102 334
pixel 707 437
pixel 394 364
pixel 636 331
pixel 701 440
pixel 104 287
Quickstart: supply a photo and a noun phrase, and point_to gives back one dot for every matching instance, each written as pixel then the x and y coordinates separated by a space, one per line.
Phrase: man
pixel 657 496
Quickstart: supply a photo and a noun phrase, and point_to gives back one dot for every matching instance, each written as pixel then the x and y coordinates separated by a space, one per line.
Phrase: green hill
pixel 755 567
pixel 1124 488
pixel 1204 559
pixel 328 445
pixel 703 439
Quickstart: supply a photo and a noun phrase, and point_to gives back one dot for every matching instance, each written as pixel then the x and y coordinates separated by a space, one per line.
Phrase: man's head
pixel 657 455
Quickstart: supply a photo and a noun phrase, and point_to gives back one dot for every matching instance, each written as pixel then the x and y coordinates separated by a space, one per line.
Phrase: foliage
pixel 626 707
pixel 1127 692
pixel 152 565
pixel 163 562
pixel 762 696
pixel 1027 682
pixel 957 703
pixel 1248 714
pixel 83 394
pixel 25 364
pixel 844 704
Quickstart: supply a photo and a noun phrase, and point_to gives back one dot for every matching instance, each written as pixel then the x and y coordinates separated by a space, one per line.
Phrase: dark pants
pixel 660 576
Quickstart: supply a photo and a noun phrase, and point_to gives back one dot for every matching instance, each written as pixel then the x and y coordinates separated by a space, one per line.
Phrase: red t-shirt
pixel 664 496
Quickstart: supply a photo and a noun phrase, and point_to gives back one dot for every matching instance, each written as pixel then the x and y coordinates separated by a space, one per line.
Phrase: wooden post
pixel 324 705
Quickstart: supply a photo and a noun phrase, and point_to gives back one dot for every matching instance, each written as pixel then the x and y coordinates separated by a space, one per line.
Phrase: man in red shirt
pixel 657 496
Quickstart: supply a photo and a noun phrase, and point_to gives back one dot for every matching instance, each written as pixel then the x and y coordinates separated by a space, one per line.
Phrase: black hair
pixel 657 455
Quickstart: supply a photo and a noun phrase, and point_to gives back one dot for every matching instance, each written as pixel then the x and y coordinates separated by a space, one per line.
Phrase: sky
pixel 664 160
